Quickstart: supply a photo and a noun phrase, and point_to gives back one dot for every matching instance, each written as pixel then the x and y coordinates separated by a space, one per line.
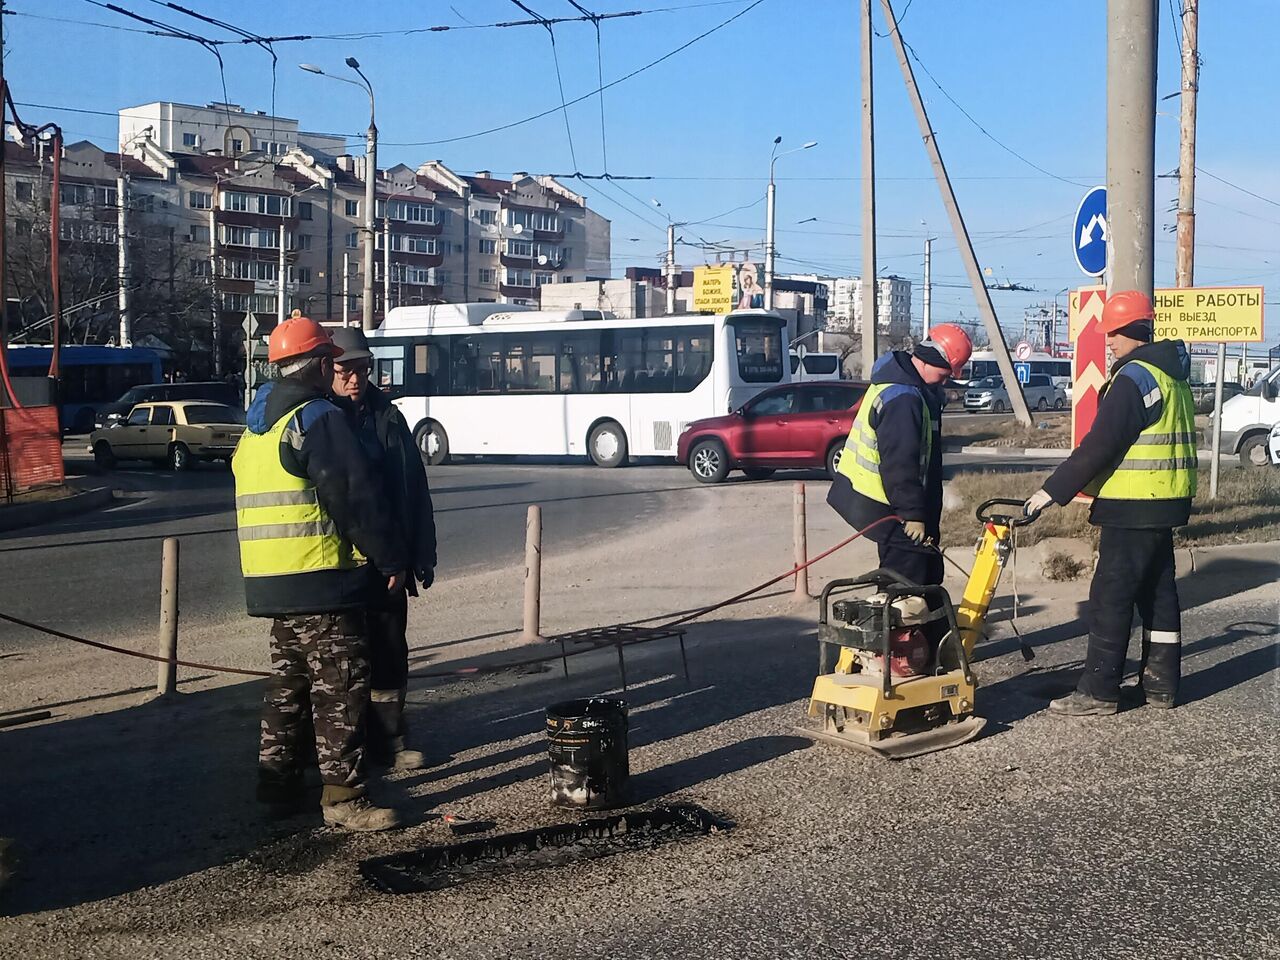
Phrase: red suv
pixel 796 425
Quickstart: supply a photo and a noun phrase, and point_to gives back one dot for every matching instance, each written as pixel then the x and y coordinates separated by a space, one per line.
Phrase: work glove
pixel 426 576
pixel 1037 502
pixel 914 529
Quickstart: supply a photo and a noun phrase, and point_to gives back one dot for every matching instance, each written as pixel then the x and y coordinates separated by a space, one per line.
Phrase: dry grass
pixel 1059 566
pixel 1051 432
pixel 1247 509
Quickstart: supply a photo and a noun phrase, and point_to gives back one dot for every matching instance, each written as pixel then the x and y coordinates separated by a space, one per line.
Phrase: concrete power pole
pixel 122 244
pixel 1186 256
pixel 976 281
pixel 671 269
pixel 928 286
pixel 282 273
pixel 769 243
pixel 370 176
pixel 386 261
pixel 1132 29
pixel 213 281
pixel 870 316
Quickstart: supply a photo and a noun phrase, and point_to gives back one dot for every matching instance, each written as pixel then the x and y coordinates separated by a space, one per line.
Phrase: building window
pixel 199 267
pixel 237 202
pixel 487 275
pixel 353 208
pixel 250 269
pixel 22 189
pixel 519 278
pixel 198 234
pixel 542 279
pixel 200 200
pixel 353 240
pixel 302 274
pixel 302 241
pixel 87 231
pixel 534 220
pixel 237 145
pixel 188 139
pixel 520 248
pixel 422 275
pixel 489 246
pixel 442 277
pixel 566 279
pixel 412 212
pixel 273 206
pixel 81 194
pixel 488 216
pixel 304 210
pixel 415 244
pixel 22 228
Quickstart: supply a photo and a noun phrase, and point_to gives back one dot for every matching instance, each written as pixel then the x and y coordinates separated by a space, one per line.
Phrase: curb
pixel 1040 452
pixel 31 514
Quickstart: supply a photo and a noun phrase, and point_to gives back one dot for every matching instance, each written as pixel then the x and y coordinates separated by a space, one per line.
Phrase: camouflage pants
pixel 318 662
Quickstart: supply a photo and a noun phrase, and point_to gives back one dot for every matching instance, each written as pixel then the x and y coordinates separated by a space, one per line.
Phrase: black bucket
pixel 588 753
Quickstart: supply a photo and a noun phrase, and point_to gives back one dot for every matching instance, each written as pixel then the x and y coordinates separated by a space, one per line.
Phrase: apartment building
pixel 844 305
pixel 225 128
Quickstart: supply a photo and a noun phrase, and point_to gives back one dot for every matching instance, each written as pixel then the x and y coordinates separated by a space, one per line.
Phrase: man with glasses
pixel 389 447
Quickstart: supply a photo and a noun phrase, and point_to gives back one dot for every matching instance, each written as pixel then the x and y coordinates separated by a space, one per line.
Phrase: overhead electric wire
pixel 1236 186
pixel 985 132
pixel 576 100
pixel 595 22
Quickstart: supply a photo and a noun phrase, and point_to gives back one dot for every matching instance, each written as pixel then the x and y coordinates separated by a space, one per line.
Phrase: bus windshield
pixel 759 349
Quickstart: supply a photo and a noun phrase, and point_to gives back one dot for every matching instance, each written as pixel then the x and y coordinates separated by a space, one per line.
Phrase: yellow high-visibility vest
pixel 1161 463
pixel 282 526
pixel 860 460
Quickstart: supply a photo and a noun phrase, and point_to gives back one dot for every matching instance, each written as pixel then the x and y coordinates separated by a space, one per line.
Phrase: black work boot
pixel 284 795
pixel 1162 671
pixel 1077 704
pixel 385 746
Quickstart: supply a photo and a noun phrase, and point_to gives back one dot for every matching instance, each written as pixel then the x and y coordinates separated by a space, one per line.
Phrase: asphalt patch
pixel 438 867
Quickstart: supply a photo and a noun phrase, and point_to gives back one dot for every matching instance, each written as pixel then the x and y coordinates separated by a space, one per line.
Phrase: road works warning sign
pixel 1209 314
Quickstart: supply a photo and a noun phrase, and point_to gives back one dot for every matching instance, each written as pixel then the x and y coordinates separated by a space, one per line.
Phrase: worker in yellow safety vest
pixel 316 542
pixel 891 464
pixel 1138 462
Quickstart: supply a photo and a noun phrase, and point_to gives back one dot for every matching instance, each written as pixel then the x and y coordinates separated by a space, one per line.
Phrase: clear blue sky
pixel 702 123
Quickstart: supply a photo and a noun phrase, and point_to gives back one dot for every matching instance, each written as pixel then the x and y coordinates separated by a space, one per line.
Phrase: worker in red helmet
pixel 1138 461
pixel 891 464
pixel 317 541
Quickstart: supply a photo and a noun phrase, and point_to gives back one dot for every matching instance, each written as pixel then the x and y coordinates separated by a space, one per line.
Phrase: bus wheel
pixel 607 445
pixel 102 455
pixel 433 442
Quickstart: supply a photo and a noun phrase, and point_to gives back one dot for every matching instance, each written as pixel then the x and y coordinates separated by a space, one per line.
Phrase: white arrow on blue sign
pixel 1023 372
pixel 1089 234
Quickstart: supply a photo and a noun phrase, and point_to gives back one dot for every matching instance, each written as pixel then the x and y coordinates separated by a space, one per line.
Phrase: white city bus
pixel 501 379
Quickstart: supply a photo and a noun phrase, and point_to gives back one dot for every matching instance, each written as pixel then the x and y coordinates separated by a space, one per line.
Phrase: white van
pixel 1247 419
pixel 815 366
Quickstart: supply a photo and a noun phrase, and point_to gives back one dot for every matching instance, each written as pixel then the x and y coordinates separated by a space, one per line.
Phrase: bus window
pixel 388 368
pixel 758 344
pixel 431 366
pixel 530 364
pixel 694 355
pixel 580 363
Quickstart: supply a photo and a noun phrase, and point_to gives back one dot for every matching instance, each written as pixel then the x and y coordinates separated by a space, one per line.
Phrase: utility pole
pixel 122 246
pixel 216 342
pixel 386 260
pixel 965 245
pixel 870 316
pixel 282 271
pixel 1186 255
pixel 370 175
pixel 671 269
pixel 1132 30
pixel 769 246
pixel 928 287
pixel 346 289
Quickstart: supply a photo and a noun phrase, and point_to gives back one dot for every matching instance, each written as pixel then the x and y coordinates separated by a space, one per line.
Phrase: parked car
pixel 177 434
pixel 214 391
pixel 989 393
pixel 794 425
pixel 1202 393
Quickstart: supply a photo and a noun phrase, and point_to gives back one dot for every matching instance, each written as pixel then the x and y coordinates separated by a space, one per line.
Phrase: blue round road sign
pixel 1089 234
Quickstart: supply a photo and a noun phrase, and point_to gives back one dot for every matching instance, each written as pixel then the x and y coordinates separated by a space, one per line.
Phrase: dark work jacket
pixel 389 445
pixel 328 455
pixel 1122 415
pixel 897 428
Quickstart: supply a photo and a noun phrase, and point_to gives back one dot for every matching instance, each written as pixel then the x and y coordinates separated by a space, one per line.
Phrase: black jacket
pixel 898 427
pixel 327 453
pixel 389 445
pixel 1122 415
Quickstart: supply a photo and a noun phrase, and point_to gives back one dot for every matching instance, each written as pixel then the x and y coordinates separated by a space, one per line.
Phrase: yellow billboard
pixel 713 288
pixel 1209 314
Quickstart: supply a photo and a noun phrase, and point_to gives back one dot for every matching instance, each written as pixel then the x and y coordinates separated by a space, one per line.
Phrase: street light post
pixel 370 176
pixel 769 246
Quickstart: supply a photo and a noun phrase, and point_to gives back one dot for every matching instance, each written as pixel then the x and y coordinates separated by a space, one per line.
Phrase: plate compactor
pixel 902 684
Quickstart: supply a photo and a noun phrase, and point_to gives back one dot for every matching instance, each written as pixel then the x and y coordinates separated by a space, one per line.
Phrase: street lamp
pixel 769 246
pixel 370 175
pixel 672 279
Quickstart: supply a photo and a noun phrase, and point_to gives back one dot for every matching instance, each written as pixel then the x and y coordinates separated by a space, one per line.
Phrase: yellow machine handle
pixel 992 553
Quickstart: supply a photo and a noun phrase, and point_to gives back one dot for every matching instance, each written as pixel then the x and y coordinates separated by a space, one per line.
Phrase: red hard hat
pixel 300 336
pixel 953 343
pixel 1124 308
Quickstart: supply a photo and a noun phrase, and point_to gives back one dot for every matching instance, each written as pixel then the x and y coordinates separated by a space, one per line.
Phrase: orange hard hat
pixel 953 343
pixel 1124 308
pixel 300 336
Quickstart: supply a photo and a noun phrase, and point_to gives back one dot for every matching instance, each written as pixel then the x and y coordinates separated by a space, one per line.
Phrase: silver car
pixel 990 394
